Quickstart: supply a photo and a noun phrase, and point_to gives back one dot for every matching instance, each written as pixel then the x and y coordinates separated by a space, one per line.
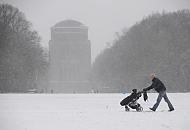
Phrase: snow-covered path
pixel 89 112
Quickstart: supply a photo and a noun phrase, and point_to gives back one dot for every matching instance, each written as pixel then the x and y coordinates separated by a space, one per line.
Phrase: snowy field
pixel 90 112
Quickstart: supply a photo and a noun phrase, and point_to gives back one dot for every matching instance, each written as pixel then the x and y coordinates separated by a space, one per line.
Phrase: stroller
pixel 131 101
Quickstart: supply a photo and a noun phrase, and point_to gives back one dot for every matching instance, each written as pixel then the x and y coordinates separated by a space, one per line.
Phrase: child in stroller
pixel 131 101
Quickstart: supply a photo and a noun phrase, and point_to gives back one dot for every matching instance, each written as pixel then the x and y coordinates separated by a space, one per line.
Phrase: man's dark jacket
pixel 157 85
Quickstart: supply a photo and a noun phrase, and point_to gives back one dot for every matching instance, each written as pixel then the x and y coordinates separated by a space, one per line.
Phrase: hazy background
pixel 103 17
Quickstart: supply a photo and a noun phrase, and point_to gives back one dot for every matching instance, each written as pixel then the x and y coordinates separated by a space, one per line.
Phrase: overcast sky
pixel 103 17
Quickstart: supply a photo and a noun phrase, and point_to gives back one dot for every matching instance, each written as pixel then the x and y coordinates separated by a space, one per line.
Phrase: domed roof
pixel 68 23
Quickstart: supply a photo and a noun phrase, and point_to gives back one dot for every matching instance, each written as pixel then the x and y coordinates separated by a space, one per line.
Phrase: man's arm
pixel 150 87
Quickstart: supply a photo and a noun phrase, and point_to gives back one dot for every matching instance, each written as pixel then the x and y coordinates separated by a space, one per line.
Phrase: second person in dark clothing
pixel 161 89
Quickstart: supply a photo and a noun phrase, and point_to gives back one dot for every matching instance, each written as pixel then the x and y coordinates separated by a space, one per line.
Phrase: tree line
pixel 23 62
pixel 159 43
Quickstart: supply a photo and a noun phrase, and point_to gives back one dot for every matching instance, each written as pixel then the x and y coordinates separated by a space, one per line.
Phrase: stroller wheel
pixel 139 109
pixel 127 108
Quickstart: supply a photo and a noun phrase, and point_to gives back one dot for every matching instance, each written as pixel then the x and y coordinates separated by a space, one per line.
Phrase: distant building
pixel 70 57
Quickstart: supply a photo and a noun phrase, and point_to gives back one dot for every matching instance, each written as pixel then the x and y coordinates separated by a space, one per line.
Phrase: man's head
pixel 152 76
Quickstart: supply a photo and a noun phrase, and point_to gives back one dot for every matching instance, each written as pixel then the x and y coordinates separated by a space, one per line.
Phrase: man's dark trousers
pixel 162 94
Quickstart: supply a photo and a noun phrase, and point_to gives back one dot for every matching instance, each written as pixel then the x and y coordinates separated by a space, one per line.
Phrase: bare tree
pixel 21 56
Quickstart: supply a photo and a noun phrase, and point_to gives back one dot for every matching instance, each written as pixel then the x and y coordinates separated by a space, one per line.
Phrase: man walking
pixel 161 89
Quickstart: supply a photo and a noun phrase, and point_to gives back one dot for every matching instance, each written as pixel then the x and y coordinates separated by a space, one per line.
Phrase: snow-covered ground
pixel 90 112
